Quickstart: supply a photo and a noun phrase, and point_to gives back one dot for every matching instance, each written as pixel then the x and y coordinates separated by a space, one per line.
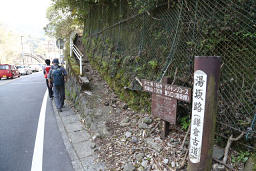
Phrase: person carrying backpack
pixel 57 77
pixel 46 71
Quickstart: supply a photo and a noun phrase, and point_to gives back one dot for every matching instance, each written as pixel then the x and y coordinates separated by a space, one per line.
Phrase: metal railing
pixel 79 55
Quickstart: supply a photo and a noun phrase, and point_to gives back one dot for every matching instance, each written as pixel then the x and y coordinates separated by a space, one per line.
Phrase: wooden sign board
pixel 168 90
pixel 164 108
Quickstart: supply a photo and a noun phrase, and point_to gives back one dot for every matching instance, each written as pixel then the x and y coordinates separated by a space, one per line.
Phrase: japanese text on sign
pixel 198 109
pixel 177 92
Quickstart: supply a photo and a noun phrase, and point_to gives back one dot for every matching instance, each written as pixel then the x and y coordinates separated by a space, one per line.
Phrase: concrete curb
pixel 77 165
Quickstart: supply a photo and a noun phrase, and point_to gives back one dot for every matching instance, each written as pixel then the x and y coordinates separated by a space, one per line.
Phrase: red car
pixel 8 71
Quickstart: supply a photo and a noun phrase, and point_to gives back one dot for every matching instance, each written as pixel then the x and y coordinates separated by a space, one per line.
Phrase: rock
pixel 125 122
pixel 88 93
pixel 118 111
pixel 218 152
pixel 178 152
pixel 144 163
pixel 98 113
pixel 93 145
pixel 114 101
pixel 166 161
pixel 128 134
pixel 149 168
pixel 105 131
pixel 142 125
pixel 134 139
pixel 218 167
pixel 251 163
pixel 84 80
pixel 123 140
pixel 139 156
pixel 153 144
pixel 140 169
pixel 134 122
pixel 145 134
pixel 97 135
pixel 147 120
pixel 129 167
pixel 125 106
pixel 106 103
pixel 173 164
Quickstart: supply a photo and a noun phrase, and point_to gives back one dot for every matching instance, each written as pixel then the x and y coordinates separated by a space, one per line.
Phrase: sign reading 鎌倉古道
pixel 198 111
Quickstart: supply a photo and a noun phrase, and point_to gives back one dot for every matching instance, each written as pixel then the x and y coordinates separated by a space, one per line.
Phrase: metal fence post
pixel 81 66
pixel 204 108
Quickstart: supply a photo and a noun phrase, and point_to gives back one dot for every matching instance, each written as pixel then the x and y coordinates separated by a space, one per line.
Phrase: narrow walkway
pixel 77 140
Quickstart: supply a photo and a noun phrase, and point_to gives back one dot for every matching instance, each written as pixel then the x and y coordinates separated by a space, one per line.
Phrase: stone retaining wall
pixel 88 102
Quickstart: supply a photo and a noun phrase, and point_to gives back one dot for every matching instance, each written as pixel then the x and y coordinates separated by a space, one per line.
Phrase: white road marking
pixel 5 82
pixel 37 161
pixel 26 83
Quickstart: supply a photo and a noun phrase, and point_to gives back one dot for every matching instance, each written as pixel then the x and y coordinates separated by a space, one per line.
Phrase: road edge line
pixel 37 160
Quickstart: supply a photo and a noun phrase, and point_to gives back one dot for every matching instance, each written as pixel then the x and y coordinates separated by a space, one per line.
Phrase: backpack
pixel 47 69
pixel 58 77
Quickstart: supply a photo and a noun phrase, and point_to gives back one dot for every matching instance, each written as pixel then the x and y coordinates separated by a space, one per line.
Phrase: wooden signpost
pixel 164 100
pixel 204 109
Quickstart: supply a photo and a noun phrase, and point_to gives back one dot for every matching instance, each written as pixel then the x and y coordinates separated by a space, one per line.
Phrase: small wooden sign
pixel 164 101
pixel 164 108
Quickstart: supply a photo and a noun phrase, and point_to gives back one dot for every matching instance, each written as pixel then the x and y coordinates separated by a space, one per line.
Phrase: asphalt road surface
pixel 29 135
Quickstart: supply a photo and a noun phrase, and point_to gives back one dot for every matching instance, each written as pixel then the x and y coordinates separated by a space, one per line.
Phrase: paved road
pixel 21 106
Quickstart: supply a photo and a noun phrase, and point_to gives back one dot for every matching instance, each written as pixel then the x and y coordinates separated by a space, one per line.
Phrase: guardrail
pixel 79 55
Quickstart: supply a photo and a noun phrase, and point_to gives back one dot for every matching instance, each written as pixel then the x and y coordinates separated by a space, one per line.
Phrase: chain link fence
pixel 127 42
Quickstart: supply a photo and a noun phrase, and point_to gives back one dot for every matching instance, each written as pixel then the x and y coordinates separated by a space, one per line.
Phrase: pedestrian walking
pixel 57 77
pixel 46 71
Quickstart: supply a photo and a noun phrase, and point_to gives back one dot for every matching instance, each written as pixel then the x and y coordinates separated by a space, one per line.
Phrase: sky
pixel 25 16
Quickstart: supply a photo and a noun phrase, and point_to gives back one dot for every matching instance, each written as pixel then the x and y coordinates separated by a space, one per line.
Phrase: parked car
pixel 24 70
pixel 8 71
pixel 29 71
pixel 35 68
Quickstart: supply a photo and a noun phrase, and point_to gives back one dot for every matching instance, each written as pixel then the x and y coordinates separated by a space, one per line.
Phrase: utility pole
pixel 22 53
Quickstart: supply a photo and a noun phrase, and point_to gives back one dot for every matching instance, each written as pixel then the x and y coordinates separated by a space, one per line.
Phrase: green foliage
pixel 241 157
pixel 153 64
pixel 185 121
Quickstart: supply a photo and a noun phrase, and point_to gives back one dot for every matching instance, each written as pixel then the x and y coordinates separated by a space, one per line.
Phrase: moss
pixel 254 161
pixel 74 66
pixel 67 93
pixel 73 94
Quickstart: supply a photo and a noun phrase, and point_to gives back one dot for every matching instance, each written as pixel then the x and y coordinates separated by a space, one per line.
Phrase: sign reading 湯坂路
pixel 173 91
pixel 198 110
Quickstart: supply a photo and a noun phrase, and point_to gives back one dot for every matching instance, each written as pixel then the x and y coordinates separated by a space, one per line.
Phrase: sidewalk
pixel 77 140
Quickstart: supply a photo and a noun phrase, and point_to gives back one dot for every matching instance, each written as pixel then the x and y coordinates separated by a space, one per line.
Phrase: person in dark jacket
pixel 57 77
